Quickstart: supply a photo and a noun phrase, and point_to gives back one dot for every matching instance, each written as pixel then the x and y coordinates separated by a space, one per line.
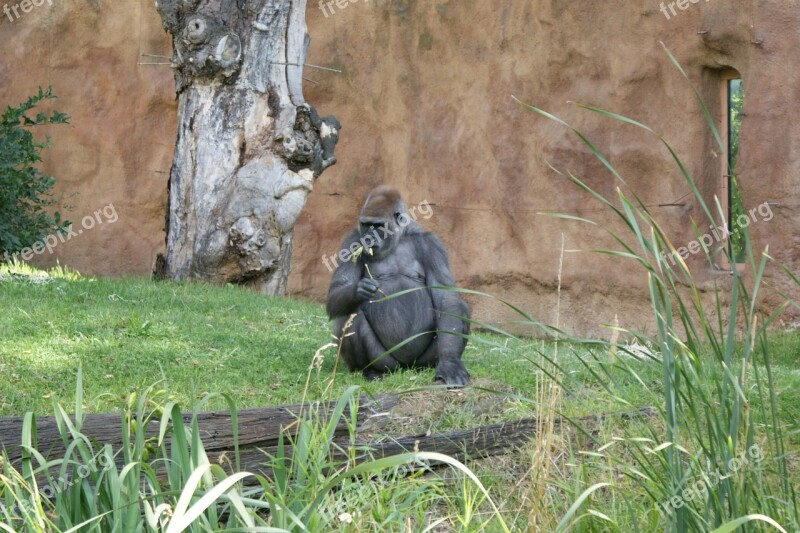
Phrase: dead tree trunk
pixel 248 145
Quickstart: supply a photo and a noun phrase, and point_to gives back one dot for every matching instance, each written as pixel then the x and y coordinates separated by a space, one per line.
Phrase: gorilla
pixel 391 254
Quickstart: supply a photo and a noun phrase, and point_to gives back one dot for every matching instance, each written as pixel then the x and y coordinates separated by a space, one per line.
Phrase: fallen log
pixel 257 427
pixel 259 430
pixel 484 441
pixel 476 443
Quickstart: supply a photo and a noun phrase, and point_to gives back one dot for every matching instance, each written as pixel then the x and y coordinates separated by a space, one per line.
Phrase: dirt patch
pixel 436 410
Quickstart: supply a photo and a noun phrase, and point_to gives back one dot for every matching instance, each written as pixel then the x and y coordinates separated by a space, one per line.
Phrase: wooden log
pixel 483 441
pixel 257 427
pixel 477 443
pixel 260 429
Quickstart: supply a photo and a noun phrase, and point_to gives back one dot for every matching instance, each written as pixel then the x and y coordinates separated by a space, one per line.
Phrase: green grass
pixel 721 397
pixel 131 333
pixel 196 339
pixel 308 490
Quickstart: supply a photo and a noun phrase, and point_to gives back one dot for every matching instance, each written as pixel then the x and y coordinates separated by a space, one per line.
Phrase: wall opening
pixel 732 100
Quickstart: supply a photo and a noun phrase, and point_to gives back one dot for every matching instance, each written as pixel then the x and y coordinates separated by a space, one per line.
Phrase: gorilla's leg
pixel 362 350
pixel 431 356
pixel 456 344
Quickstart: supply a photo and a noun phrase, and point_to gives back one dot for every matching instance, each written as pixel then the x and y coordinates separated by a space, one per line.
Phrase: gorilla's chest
pixel 397 272
pixel 403 316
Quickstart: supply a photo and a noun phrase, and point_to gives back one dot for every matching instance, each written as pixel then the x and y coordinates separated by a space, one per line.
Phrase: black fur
pixel 406 257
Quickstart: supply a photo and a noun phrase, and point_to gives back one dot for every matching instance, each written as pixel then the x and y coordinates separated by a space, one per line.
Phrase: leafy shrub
pixel 24 189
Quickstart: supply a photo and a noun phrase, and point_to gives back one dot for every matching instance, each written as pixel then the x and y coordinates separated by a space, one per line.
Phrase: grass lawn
pixel 131 333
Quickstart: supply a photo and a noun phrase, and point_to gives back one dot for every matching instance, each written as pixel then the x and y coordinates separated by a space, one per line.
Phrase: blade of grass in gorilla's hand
pixel 356 255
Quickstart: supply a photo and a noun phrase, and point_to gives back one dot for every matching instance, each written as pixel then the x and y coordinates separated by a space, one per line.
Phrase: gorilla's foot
pixel 370 374
pixel 452 372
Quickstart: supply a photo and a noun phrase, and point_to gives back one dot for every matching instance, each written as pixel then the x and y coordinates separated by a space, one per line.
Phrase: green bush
pixel 24 189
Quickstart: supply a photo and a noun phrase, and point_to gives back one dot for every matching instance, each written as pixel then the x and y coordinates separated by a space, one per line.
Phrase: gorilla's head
pixel 382 221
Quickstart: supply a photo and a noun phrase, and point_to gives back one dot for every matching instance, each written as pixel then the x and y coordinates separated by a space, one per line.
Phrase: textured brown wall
pixel 118 148
pixel 425 104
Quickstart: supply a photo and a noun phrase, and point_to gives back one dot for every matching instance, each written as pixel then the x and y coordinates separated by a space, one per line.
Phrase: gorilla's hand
pixel 451 370
pixel 366 289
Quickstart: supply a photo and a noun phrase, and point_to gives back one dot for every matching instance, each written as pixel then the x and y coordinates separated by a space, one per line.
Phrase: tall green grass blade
pixel 183 515
pixel 567 522
pixel 739 522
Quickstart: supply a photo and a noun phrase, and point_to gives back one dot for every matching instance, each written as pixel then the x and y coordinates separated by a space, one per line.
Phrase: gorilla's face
pixel 379 235
pixel 380 221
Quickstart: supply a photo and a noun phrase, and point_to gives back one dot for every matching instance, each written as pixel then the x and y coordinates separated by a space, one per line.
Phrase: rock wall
pixel 425 102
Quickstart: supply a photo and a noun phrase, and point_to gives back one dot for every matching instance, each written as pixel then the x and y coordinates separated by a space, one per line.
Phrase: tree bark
pixel 248 145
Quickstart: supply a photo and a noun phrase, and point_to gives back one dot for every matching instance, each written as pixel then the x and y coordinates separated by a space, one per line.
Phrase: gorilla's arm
pixel 449 306
pixel 345 292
